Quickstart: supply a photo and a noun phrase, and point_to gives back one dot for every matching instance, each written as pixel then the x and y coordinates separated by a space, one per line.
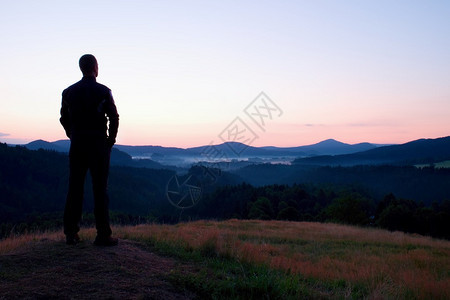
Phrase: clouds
pixel 4 134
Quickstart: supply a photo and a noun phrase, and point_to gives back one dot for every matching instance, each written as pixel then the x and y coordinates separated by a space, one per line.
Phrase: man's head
pixel 88 65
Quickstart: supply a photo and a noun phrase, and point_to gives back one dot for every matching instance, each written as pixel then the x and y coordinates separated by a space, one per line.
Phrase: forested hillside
pixel 36 181
pixel 34 185
pixel 427 184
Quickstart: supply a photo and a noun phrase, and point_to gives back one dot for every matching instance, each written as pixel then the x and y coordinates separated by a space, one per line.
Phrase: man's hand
pixel 110 142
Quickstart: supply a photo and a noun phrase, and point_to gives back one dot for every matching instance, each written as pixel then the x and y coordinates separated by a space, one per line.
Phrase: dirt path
pixel 51 269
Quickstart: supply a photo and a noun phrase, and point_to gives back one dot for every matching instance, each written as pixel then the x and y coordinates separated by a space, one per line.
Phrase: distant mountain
pixel 184 157
pixel 226 150
pixel 63 144
pixel 418 151
pixel 229 150
pixel 150 150
pixel 236 150
pixel 118 158
pixel 41 144
pixel 326 147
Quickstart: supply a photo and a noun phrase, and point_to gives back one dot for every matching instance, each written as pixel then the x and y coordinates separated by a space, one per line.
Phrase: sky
pixel 191 73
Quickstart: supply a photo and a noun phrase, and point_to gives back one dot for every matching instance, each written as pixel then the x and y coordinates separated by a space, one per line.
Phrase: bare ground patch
pixel 51 269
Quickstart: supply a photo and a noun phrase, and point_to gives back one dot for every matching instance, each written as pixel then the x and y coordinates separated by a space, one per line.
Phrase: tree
pixel 398 215
pixel 261 209
pixel 350 209
pixel 288 213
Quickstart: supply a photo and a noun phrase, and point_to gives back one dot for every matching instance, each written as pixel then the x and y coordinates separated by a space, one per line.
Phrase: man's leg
pixel 99 172
pixel 74 200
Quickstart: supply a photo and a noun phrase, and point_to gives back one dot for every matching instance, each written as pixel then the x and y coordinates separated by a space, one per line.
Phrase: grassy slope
pixel 272 259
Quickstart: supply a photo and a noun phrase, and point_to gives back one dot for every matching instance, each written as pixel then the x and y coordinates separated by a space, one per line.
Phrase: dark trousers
pixel 93 155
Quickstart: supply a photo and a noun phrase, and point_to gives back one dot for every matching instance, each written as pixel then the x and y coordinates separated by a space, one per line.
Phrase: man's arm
pixel 65 117
pixel 113 117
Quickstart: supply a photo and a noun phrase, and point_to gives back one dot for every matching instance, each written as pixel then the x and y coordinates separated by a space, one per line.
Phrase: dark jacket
pixel 85 110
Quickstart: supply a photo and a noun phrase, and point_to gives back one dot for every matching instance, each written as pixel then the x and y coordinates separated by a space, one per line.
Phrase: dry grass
pixel 386 264
pixel 21 243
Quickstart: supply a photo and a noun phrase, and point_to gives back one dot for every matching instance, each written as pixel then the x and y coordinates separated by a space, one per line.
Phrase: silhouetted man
pixel 86 108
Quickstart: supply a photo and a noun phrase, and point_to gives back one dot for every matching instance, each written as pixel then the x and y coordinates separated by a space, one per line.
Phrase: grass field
pixel 281 260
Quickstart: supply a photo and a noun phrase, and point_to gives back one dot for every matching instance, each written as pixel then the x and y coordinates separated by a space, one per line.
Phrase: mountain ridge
pixel 329 152
pixel 329 147
pixel 227 149
pixel 413 152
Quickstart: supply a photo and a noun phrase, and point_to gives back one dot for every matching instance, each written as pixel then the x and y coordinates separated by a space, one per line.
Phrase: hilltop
pixel 47 268
pixel 229 259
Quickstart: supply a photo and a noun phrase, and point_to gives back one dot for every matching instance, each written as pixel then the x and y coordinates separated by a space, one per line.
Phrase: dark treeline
pixel 277 202
pixel 325 204
pixel 33 187
pixel 427 184
pixel 35 181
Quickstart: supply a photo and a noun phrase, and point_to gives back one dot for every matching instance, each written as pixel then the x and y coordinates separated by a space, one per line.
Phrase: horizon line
pixel 249 145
